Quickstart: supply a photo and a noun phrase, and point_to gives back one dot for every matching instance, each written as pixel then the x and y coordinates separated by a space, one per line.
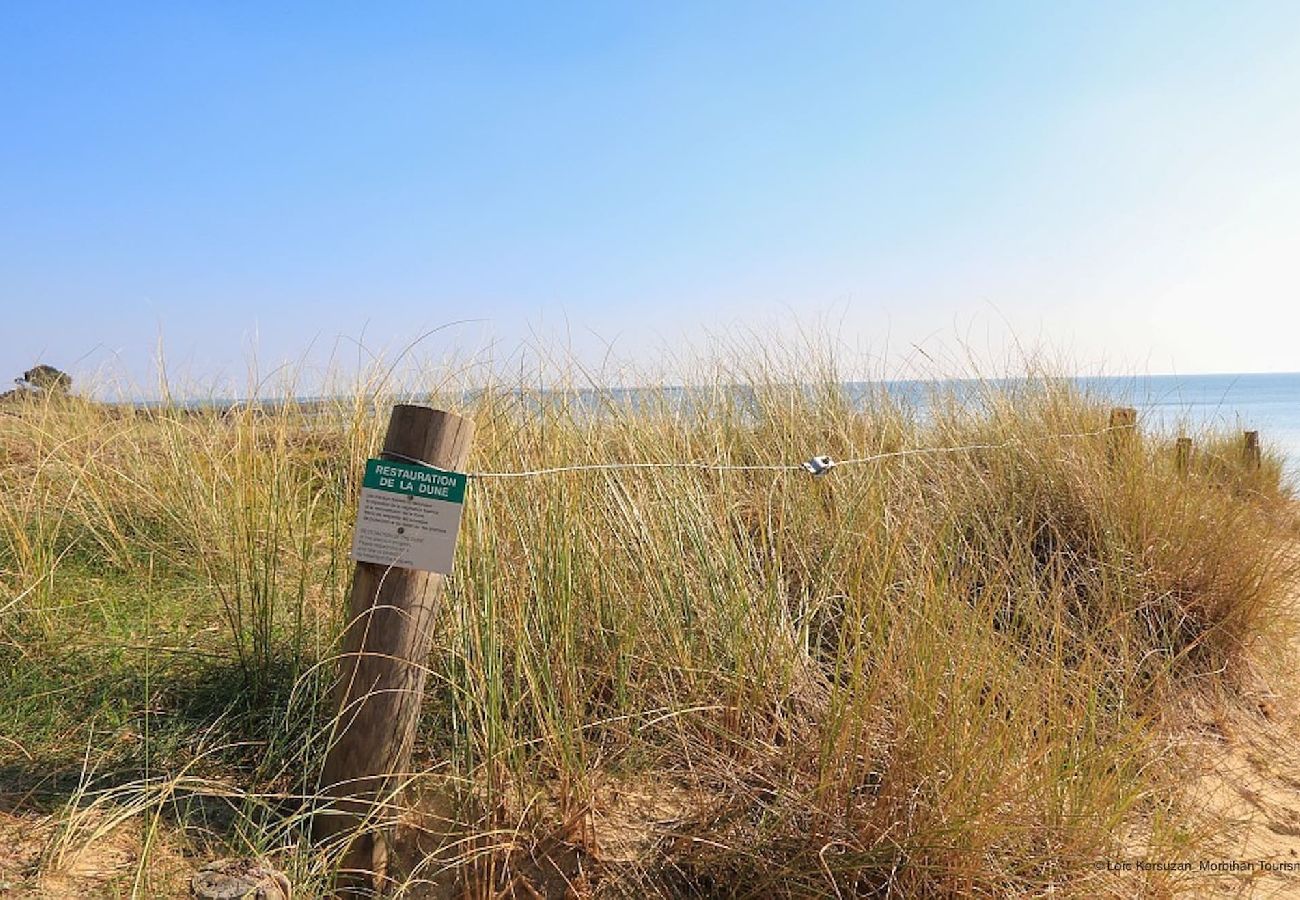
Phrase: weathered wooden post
pixel 1123 431
pixel 1250 450
pixel 389 633
pixel 1182 456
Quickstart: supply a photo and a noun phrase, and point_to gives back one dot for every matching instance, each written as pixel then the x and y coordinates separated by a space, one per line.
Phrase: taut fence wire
pixel 816 465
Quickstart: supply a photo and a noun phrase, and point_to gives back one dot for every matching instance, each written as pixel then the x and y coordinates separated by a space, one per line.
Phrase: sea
pixel 1174 404
pixel 1192 404
pixel 1267 403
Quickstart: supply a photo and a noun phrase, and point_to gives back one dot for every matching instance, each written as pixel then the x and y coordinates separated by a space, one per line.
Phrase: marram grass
pixel 955 674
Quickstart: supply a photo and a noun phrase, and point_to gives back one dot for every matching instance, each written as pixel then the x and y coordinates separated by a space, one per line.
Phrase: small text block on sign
pixel 409 516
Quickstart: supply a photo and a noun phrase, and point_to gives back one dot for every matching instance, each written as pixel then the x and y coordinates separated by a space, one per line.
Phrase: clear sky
pixel 1120 181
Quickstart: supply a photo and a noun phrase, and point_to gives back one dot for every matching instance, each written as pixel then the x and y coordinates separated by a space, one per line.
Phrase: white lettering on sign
pixel 409 516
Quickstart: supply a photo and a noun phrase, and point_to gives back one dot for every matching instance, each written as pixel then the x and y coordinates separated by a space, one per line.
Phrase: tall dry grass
pixel 924 675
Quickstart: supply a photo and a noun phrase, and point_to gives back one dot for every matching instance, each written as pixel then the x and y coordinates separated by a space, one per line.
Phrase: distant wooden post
pixel 1183 456
pixel 1250 450
pixel 1123 430
pixel 382 670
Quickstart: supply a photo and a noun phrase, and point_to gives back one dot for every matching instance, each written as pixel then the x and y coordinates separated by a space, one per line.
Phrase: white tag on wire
pixel 819 465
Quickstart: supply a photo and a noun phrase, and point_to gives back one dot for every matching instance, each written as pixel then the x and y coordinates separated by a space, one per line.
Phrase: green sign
pixel 409 516
pixel 415 480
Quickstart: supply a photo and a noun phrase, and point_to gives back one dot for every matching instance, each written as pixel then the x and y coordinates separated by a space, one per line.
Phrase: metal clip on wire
pixel 819 465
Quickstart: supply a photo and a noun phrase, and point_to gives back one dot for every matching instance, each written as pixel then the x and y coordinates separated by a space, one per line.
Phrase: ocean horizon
pixel 1265 402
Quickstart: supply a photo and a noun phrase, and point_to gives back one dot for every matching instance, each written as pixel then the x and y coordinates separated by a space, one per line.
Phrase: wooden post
pixel 1182 456
pixel 383 664
pixel 1250 450
pixel 1123 429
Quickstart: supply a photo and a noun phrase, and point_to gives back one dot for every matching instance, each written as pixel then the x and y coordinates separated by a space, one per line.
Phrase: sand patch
pixel 109 866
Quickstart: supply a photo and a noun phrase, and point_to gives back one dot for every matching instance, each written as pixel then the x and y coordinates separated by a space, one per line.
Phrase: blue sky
pixel 1117 181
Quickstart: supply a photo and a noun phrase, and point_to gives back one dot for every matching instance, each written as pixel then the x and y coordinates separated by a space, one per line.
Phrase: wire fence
pixel 815 465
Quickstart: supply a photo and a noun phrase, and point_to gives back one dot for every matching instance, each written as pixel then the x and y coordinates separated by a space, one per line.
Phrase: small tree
pixel 45 379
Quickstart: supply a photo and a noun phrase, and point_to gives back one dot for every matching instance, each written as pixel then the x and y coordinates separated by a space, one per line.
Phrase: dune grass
pixel 924 675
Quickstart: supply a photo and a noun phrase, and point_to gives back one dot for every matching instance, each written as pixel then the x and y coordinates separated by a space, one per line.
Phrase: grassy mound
pixel 923 674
